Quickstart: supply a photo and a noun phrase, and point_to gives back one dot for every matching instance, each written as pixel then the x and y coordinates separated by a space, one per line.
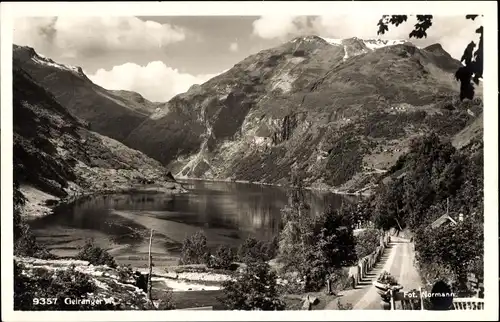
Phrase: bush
pixel 194 249
pixel 24 240
pixel 367 242
pixel 437 253
pixel 253 289
pixel 316 246
pixel 332 249
pixel 125 274
pixel 95 255
pixel 347 306
pixel 166 302
pixel 340 280
pixel 291 283
pixel 386 278
pixel 269 248
pixel 45 284
pixel 255 250
pixel 223 258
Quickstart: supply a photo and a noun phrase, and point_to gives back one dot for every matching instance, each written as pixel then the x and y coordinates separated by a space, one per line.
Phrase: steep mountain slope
pixel 342 111
pixel 111 113
pixel 58 156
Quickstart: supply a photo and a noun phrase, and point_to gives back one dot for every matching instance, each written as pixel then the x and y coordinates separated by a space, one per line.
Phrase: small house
pixel 443 220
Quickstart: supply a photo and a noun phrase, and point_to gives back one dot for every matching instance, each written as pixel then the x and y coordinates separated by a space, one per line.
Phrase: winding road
pixel 397 260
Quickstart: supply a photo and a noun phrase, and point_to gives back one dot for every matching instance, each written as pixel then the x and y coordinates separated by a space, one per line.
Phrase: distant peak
pixel 436 48
pixel 27 53
pixel 307 38
pixel 371 43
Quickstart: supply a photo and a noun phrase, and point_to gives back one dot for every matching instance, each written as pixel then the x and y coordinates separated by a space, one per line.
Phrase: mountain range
pixel 339 111
pixel 57 156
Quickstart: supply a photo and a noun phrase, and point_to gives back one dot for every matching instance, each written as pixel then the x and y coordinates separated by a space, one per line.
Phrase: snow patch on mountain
pixel 42 60
pixel 370 44
pixel 374 44
pixel 333 41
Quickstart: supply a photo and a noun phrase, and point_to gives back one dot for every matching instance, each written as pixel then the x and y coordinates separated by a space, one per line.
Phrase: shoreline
pixel 36 200
pixel 327 189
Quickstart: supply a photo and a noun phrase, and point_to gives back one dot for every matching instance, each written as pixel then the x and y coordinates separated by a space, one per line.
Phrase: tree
pixel 253 289
pixel 437 179
pixel 95 255
pixel 471 73
pixel 367 242
pixel 269 248
pixel 388 206
pixel 251 251
pixel 332 248
pixel 316 246
pixel 194 249
pixel 25 243
pixel 18 198
pixel 433 172
pixel 335 239
pixel 459 249
pixel 223 258
pixel 296 236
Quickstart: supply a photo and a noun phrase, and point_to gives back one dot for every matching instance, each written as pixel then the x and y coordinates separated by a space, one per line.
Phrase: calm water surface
pixel 228 213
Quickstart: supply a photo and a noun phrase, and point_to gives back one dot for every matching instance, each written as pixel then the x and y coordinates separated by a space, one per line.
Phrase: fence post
pixel 393 302
pixel 421 298
pixel 150 283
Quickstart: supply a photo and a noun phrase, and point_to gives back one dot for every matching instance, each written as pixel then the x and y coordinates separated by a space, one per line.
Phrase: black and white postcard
pixel 252 160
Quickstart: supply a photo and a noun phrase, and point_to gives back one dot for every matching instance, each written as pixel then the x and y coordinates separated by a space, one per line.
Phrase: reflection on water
pixel 228 212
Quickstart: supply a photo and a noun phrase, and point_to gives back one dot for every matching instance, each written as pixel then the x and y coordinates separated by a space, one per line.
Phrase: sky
pixel 160 57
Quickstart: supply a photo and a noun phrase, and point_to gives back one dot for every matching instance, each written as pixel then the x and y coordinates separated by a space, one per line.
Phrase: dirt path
pixel 397 260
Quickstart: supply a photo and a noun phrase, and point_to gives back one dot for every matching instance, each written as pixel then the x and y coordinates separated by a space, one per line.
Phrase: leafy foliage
pixel 29 290
pixel 25 243
pixel 95 255
pixel 253 289
pixel 438 179
pixel 473 69
pixel 458 249
pixel 42 288
pixel 194 249
pixel 18 199
pixel 224 257
pixel 296 235
pixel 255 250
pixel 386 278
pixel 347 152
pixel 434 172
pixel 315 247
pixel 367 242
pixel 166 302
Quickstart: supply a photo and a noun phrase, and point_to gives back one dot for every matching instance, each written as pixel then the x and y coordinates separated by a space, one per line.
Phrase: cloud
pixel 270 27
pixel 92 36
pixel 233 47
pixel 156 81
pixel 452 32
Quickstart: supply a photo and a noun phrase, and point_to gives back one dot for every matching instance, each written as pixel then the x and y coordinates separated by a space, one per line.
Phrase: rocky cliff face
pixel 111 113
pixel 342 111
pixel 57 154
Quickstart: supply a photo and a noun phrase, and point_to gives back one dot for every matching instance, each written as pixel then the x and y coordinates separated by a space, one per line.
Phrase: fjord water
pixel 228 212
